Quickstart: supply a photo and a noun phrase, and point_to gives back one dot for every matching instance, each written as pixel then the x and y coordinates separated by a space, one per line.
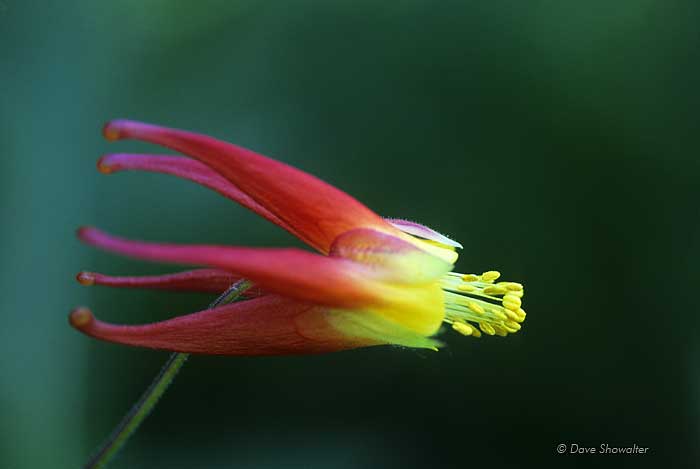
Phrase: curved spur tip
pixel 103 165
pixel 112 130
pixel 80 318
pixel 84 233
pixel 85 278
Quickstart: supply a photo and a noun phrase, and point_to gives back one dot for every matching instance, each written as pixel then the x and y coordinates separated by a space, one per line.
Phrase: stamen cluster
pixel 476 300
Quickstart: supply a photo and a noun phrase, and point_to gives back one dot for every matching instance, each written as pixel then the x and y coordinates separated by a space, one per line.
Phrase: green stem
pixel 148 400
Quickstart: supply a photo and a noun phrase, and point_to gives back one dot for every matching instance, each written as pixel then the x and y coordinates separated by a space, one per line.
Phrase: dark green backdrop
pixel 557 140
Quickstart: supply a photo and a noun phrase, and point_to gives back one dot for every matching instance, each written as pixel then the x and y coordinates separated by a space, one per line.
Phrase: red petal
pixel 200 280
pixel 192 170
pixel 269 325
pixel 294 273
pixel 317 210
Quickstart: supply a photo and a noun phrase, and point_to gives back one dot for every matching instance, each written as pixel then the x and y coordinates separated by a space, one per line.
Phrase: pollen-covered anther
pixel 490 276
pixel 499 314
pixel 495 290
pixel 512 315
pixel 463 328
pixel 512 325
pixel 487 328
pixel 511 286
pixel 511 302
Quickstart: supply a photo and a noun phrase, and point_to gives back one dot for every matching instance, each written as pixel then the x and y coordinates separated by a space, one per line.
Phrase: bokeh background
pixel 557 140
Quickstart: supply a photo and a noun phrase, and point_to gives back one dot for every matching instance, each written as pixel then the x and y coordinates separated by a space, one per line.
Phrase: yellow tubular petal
pixel 420 309
pixel 369 325
pixel 446 253
pixel 391 258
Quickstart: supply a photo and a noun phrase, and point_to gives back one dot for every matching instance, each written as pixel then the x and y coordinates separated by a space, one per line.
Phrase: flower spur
pixel 373 281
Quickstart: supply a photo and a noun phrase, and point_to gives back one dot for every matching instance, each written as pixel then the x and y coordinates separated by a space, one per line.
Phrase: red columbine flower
pixel 374 281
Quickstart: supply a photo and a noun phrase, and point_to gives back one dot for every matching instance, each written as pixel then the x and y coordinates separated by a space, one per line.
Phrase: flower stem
pixel 148 400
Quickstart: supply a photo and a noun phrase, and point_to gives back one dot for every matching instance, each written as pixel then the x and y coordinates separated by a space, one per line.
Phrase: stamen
pixel 475 303
pixel 463 328
pixel 490 276
pixel 512 286
pixel 495 290
pixel 486 327
pixel 511 302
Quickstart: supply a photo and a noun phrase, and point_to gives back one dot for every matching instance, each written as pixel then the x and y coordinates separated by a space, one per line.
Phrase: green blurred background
pixel 557 140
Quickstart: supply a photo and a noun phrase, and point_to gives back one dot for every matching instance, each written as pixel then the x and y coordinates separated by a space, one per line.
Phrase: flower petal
pixel 310 206
pixel 380 327
pixel 416 308
pixel 393 259
pixel 200 173
pixel 268 325
pixel 200 280
pixel 192 170
pixel 422 231
pixel 294 273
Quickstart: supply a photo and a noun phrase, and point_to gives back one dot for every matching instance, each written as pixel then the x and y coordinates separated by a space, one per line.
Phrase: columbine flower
pixel 375 281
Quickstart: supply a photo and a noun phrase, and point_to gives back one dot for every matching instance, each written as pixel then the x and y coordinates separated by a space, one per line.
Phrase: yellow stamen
pixel 511 302
pixel 463 328
pixel 474 304
pixel 490 275
pixel 499 314
pixel 512 315
pixel 513 324
pixel 495 290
